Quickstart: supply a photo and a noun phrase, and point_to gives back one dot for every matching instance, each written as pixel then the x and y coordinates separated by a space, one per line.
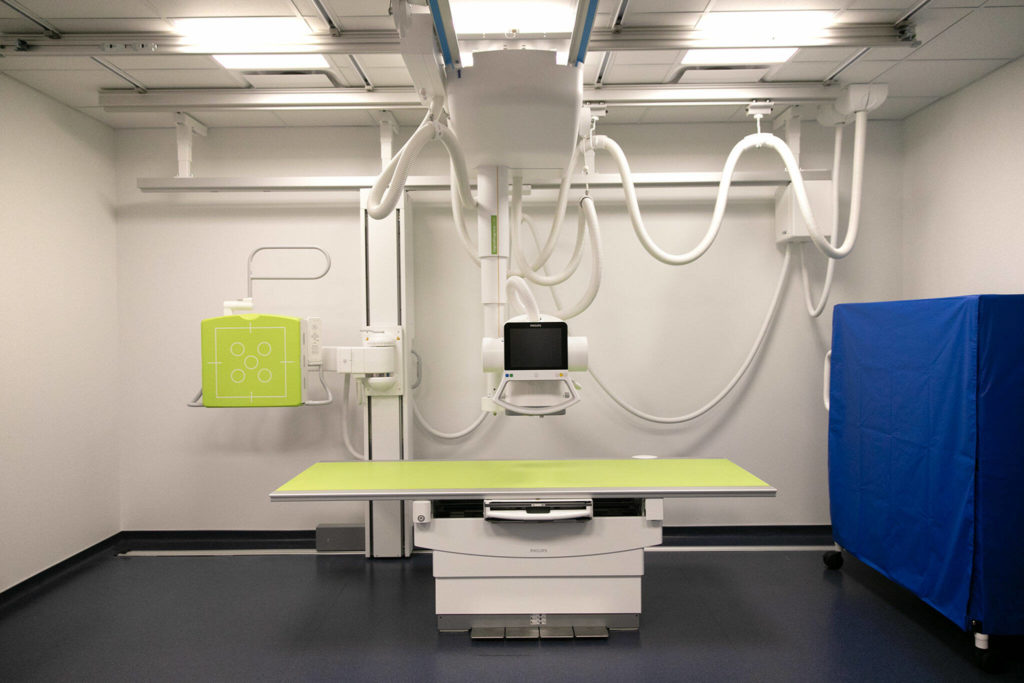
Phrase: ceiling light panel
pixel 763 28
pixel 513 17
pixel 242 34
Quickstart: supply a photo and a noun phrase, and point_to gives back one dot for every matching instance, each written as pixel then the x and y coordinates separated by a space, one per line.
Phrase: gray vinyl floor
pixel 707 616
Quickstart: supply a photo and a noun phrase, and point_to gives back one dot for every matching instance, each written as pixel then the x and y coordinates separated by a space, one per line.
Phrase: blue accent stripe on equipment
pixel 587 26
pixel 435 14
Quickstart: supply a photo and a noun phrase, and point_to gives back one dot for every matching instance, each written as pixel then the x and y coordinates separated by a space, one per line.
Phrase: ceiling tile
pixel 163 62
pixel 754 5
pixel 988 33
pixel 328 117
pixel 47 64
pixel 660 57
pixel 801 71
pixel 645 6
pixel 869 16
pixel 391 61
pixel 89 9
pixel 899 108
pixel 74 88
pixel 290 80
pixel 864 72
pixel 187 78
pixel 956 3
pixel 636 74
pixel 359 8
pixel 110 25
pixel 592 65
pixel 661 19
pixel 883 4
pixel 159 119
pixel 936 78
pixel 384 77
pixel 18 24
pixel 715 76
pixel 366 23
pixel 222 8
pixel 836 55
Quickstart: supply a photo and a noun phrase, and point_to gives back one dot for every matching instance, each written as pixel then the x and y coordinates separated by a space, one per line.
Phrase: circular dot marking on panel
pixel 264 375
pixel 251 362
pixel 264 349
pixel 237 376
pixel 237 349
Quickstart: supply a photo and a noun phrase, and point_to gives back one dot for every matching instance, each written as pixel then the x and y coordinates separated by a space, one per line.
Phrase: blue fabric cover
pixel 926 450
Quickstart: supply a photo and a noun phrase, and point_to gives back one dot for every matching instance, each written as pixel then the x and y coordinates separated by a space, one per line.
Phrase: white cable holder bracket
pixel 758 109
pixel 185 126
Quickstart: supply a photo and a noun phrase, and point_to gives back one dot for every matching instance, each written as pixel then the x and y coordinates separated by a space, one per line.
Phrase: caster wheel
pixel 833 559
pixel 986 660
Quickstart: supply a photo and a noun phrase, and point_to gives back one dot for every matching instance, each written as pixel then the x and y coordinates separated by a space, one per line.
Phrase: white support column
pixel 185 126
pixel 493 249
pixel 387 420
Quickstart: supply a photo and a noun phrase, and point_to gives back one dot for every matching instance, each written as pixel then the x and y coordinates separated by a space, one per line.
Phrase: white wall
pixel 58 350
pixel 666 338
pixel 964 191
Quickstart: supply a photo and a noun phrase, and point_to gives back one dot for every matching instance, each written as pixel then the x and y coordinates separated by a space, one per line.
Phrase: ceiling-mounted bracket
pixel 185 126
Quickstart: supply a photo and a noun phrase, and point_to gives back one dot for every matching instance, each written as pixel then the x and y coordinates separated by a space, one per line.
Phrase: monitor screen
pixel 536 346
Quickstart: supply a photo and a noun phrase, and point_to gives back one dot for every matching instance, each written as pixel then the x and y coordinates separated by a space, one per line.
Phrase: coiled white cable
pixel 524 269
pixel 593 230
pixel 761 335
pixel 344 420
pixel 563 201
pixel 815 309
pixel 447 435
pixel 516 287
pixel 605 143
pixel 388 187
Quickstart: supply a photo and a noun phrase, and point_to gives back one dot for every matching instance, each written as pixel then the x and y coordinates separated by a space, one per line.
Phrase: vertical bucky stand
pixel 388 318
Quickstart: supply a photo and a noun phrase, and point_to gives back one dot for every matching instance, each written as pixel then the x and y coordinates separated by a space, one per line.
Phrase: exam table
pixel 531 548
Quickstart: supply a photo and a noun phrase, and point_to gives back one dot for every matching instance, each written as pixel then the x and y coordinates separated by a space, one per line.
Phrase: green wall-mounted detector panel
pixel 252 361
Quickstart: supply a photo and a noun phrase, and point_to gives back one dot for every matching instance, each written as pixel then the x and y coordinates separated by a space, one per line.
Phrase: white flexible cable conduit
pixel 590 214
pixel 761 335
pixel 516 287
pixel 388 187
pixel 605 143
pixel 563 201
pixel 815 310
pixel 447 435
pixel 344 420
pixel 525 270
pixel 458 215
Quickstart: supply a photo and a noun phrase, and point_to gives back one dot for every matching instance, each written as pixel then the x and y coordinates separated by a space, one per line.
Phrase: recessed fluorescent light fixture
pixel 738 28
pixel 248 33
pixel 268 62
pixel 746 57
pixel 505 17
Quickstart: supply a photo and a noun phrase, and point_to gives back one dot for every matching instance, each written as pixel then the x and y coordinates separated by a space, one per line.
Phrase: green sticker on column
pixel 494 235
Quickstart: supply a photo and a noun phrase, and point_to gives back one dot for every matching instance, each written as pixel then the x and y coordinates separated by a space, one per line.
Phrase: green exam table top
pixel 441 479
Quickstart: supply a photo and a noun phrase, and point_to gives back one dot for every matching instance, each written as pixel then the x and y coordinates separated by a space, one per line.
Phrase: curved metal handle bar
pixel 573 399
pixel 327 267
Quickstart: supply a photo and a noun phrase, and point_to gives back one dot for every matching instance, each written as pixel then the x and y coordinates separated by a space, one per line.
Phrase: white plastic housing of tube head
pixel 517 108
pixel 578 354
pixel 493 354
